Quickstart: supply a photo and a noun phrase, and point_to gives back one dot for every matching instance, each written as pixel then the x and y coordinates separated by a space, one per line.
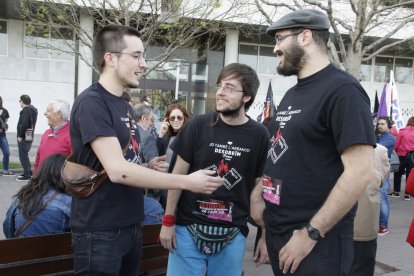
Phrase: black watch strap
pixel 313 233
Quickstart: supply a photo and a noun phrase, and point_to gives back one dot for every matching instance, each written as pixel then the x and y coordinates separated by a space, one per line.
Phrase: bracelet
pixel 168 220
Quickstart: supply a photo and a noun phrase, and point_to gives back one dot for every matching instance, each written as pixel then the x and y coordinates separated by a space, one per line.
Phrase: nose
pixel 276 48
pixel 142 63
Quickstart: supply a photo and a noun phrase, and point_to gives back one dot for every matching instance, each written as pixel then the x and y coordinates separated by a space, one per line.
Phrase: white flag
pixel 396 114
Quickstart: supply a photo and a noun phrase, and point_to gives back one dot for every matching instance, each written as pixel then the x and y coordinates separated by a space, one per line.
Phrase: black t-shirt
pixel 316 120
pixel 96 112
pixel 4 116
pixel 237 153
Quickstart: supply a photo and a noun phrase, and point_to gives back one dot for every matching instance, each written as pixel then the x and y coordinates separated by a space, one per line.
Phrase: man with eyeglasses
pixel 321 158
pixel 208 232
pixel 106 227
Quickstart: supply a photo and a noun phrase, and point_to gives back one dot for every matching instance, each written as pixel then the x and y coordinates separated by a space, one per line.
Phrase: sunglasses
pixel 179 118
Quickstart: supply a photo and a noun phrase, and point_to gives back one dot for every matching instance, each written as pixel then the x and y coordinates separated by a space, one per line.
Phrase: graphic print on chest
pixel 279 144
pixel 229 153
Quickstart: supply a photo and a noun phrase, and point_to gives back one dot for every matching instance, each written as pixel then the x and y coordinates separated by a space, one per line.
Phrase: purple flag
pixel 382 110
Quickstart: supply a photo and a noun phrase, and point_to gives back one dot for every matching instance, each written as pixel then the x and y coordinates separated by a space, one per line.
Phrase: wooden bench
pixel 53 254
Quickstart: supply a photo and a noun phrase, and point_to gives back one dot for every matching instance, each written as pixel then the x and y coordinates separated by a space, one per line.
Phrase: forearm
pixel 172 201
pixel 257 204
pixel 358 171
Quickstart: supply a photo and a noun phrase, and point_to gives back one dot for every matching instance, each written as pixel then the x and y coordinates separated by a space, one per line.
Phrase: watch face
pixel 313 233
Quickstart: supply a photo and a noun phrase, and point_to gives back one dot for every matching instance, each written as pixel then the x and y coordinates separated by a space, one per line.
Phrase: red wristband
pixel 168 220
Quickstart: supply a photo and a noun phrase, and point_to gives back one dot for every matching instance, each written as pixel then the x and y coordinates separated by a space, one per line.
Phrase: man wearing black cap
pixel 321 157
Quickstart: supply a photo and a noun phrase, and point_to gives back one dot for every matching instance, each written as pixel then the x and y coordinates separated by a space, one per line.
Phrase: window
pixel 3 38
pixel 47 42
pixel 260 58
pixel 382 69
pixel 366 67
pixel 267 61
pixel 248 55
pixel 403 70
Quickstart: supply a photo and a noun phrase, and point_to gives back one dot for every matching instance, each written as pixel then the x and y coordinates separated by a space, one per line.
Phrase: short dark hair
pixel 247 77
pixel 25 99
pixel 321 37
pixel 410 121
pixel 110 38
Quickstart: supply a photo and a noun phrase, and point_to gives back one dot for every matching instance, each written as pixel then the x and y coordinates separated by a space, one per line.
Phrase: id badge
pixel 272 189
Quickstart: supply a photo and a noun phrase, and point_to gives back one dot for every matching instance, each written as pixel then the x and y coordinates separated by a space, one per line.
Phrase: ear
pixel 110 59
pixel 246 98
pixel 305 38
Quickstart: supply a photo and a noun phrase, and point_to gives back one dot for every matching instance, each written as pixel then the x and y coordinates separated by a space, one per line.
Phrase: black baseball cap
pixel 305 19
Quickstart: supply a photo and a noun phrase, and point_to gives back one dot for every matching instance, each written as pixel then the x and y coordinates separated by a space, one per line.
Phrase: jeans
pixel 110 252
pixel 332 255
pixel 24 148
pixel 364 258
pixel 187 260
pixel 384 204
pixel 4 145
pixel 404 167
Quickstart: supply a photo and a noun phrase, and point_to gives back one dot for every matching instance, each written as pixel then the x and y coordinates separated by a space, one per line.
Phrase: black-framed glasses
pixel 135 55
pixel 227 89
pixel 279 38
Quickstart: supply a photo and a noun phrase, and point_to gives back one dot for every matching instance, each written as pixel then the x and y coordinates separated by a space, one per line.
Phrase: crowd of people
pixel 315 179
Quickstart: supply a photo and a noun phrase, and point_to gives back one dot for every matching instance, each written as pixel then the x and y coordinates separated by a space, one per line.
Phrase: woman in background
pixel 45 188
pixel 4 144
pixel 403 145
pixel 175 118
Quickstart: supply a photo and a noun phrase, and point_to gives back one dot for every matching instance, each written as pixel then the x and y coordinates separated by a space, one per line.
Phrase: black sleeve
pixel 349 117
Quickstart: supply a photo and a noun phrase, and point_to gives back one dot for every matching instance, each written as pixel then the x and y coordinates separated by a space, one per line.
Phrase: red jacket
pixel 405 141
pixel 53 142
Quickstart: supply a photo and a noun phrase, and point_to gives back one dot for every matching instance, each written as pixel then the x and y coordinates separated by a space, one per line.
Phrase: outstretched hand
pixel 202 181
pixel 159 164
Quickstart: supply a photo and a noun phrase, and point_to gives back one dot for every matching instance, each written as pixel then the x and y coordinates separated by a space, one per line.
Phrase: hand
pixel 260 255
pixel 167 237
pixel 19 139
pixel 297 248
pixel 159 164
pixel 163 128
pixel 201 181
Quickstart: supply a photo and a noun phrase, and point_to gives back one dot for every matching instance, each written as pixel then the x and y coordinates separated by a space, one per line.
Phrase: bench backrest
pixel 53 254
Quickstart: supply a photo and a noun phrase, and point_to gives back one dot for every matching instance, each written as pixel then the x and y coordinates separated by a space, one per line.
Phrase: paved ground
pixel 395 257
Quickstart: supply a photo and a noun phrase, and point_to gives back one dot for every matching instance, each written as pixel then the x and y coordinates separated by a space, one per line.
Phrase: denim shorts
pixel 187 260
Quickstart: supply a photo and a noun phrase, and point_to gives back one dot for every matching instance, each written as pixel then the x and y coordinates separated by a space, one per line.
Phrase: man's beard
pixel 232 113
pixel 293 61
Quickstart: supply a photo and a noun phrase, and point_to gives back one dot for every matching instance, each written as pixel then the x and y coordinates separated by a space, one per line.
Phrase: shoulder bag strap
pixel 32 217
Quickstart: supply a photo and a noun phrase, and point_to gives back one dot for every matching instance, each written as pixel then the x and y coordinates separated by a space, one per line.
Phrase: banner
pixel 396 115
pixel 269 109
pixel 382 109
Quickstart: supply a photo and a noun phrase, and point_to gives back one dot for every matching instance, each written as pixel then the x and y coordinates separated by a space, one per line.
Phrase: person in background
pixel 27 121
pixel 367 217
pixel 322 153
pixel 4 144
pixel 56 139
pixel 175 118
pixel 403 145
pixel 45 186
pixel 144 115
pixel 385 138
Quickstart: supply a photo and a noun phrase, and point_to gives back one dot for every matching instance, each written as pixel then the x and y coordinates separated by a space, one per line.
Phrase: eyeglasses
pixel 137 55
pixel 179 118
pixel 227 89
pixel 279 38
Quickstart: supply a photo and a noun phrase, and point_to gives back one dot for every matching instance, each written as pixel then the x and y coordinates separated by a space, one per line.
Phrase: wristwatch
pixel 313 233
